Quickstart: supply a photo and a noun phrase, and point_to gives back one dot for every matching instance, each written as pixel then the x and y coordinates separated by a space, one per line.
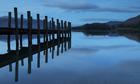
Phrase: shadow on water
pixel 9 58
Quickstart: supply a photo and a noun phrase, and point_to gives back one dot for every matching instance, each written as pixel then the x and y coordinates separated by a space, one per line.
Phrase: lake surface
pixel 91 60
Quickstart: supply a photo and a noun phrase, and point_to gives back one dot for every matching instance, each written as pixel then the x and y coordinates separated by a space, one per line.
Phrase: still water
pixel 91 60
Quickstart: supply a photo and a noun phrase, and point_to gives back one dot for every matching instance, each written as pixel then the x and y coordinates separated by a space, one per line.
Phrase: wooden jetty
pixel 56 36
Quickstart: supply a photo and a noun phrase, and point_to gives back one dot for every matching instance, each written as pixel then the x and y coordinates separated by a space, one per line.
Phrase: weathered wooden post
pixel 46 33
pixel 53 38
pixel 9 26
pixel 21 44
pixel 50 35
pixel 17 42
pixel 8 38
pixel 38 40
pixel 65 35
pixel 69 30
pixel 70 35
pixel 62 35
pixel 29 41
pixel 31 26
pixel 21 26
pixel 58 36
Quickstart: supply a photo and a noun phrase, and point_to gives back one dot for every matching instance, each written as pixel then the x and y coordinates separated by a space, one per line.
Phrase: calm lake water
pixel 91 60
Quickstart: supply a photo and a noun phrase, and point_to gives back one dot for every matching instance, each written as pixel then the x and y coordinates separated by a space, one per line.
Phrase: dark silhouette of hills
pixel 114 23
pixel 110 27
pixel 132 22
pixel 4 22
pixel 94 28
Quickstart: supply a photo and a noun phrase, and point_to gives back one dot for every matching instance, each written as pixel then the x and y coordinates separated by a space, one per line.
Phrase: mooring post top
pixel 61 21
pixel 28 13
pixel 46 17
pixel 21 15
pixel 38 16
pixel 15 12
pixel 15 8
pixel 57 20
pixel 9 13
pixel 52 19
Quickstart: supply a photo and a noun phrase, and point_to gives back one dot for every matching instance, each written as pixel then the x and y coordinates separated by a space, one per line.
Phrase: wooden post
pixel 21 44
pixel 17 43
pixel 50 35
pixel 46 32
pixel 44 35
pixel 38 40
pixel 31 26
pixel 29 41
pixel 69 28
pixel 70 34
pixel 65 35
pixel 58 36
pixel 53 37
pixel 9 26
pixel 8 38
pixel 21 26
pixel 62 35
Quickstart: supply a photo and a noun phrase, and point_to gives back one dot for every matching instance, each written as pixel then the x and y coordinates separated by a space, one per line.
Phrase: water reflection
pixel 9 58
pixel 92 60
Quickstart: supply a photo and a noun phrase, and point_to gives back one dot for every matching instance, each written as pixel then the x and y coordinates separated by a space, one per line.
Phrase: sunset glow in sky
pixel 77 11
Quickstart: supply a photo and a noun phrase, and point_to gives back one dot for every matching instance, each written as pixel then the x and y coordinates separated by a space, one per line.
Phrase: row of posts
pixel 61 35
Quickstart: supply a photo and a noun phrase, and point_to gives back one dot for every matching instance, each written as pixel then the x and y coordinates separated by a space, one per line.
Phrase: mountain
pixel 94 28
pixel 132 22
pixel 114 23
pixel 112 27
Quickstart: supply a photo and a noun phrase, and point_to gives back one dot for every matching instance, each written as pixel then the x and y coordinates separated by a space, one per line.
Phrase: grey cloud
pixel 84 6
pixel 88 7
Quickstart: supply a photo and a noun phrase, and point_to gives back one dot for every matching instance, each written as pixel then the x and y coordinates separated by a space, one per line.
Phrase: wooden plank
pixel 11 31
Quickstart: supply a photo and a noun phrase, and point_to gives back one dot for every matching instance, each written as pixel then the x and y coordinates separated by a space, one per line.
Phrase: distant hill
pixel 4 22
pixel 94 28
pixel 110 27
pixel 114 23
pixel 132 22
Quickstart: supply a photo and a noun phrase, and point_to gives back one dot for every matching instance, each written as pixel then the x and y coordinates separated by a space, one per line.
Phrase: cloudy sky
pixel 76 11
